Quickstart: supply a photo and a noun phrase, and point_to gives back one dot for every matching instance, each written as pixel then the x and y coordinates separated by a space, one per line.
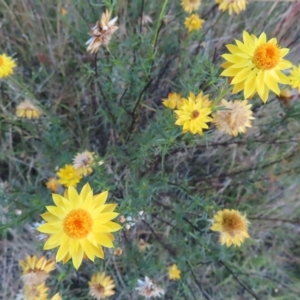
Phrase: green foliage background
pixel 112 105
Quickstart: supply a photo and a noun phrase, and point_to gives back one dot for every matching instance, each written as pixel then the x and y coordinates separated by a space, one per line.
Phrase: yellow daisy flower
pixel 52 184
pixel 295 78
pixel 235 118
pixel 193 22
pixel 27 110
pixel 199 98
pixel 83 163
pixel 256 66
pixel 57 296
pixel 68 176
pixel 232 5
pixel 190 5
pixel 79 225
pixel 36 292
pixel 193 116
pixel 174 272
pixel 173 101
pixel 7 65
pixel 232 225
pixel 102 32
pixel 35 271
pixel 101 286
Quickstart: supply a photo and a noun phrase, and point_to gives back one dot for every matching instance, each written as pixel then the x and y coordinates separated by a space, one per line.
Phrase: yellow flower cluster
pixel 80 224
pixel 35 271
pixel 193 22
pixel 193 114
pixel 70 175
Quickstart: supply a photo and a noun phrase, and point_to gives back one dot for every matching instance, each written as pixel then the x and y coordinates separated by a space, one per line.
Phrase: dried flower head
pixel 118 252
pixel 27 110
pixel 80 225
pixel 174 272
pixel 102 32
pixel 173 101
pixel 35 271
pixel 232 225
pixel 149 289
pixel 53 184
pixel 83 163
pixel 232 5
pixel 143 245
pixel 68 176
pixel 101 286
pixel 35 292
pixel 190 5
pixel 7 65
pixel 235 118
pixel 63 11
pixel 193 22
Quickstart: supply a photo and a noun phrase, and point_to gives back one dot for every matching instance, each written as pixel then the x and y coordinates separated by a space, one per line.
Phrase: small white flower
pixel 149 289
pixel 131 221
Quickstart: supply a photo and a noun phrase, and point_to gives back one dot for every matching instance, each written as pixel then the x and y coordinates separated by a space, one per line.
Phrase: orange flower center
pixel 195 114
pixel 78 223
pixel 232 223
pixel 266 56
pixel 99 290
pixel 1 61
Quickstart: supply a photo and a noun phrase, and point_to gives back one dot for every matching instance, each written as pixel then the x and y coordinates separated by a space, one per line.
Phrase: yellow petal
pixel 109 208
pixel 87 248
pixel 49 228
pixel 85 191
pixel 47 216
pixel 103 218
pixel 61 202
pixel 103 240
pixel 241 76
pixel 98 251
pixel 77 258
pixel 63 249
pixel 56 211
pixel 74 198
pixel 100 199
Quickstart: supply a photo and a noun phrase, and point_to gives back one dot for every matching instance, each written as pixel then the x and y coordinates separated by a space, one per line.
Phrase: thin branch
pixel 101 90
pixel 248 289
pixel 276 220
pixel 141 16
pixel 205 295
pixel 167 247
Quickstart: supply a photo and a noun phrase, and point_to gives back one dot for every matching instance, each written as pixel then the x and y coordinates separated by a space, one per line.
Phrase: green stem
pixel 158 24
